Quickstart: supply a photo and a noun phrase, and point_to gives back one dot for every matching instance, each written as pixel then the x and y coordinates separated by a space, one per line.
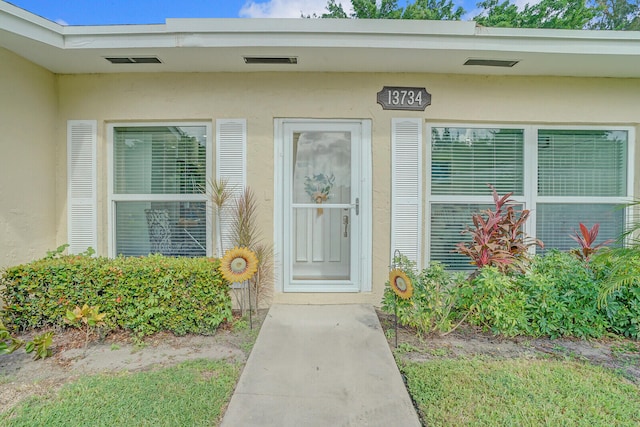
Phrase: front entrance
pixel 322 205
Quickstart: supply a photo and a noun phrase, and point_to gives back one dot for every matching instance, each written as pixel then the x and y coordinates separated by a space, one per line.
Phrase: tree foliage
pixel 559 14
pixel 365 9
pixel 389 9
pixel 616 15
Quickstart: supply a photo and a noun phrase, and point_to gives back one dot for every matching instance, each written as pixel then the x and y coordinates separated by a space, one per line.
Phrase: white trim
pixel 360 267
pixel 113 198
pixel 442 198
pixel 530 177
pixel 366 216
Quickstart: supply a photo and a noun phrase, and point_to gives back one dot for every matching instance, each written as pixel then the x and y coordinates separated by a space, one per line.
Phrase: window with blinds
pixel 588 166
pixel 556 222
pixel 465 160
pixel 582 163
pixel 159 190
pixel 447 223
pixel 582 176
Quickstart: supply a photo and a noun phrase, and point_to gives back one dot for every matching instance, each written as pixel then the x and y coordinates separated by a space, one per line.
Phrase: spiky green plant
pixel 244 226
pixel 221 194
pixel 623 263
pixel 263 281
pixel 622 266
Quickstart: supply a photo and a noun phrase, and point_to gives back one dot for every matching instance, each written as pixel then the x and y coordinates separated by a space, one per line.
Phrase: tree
pixel 365 9
pixel 335 10
pixel 495 14
pixel 563 14
pixel 616 15
pixel 389 9
pixel 566 14
pixel 439 10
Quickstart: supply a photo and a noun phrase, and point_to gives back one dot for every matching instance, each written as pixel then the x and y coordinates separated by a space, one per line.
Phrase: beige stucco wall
pixel 28 107
pixel 262 97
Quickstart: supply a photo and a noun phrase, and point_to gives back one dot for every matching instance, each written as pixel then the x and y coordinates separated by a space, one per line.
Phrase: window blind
pixel 447 223
pixel 556 222
pixel 465 160
pixel 159 160
pixel 586 163
pixel 159 190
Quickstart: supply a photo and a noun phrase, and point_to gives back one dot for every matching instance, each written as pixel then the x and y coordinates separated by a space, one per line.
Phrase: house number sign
pixel 404 98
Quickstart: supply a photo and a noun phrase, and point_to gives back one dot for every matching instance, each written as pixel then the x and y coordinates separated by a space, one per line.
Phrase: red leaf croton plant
pixel 586 239
pixel 497 236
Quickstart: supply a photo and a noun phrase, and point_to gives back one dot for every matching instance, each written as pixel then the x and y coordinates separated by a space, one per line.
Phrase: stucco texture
pixel 28 111
pixel 262 97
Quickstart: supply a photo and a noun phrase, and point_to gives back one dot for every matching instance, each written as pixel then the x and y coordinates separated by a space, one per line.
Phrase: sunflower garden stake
pixel 402 287
pixel 240 265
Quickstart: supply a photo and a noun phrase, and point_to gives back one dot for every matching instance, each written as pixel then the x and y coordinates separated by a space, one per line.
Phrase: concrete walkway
pixel 320 365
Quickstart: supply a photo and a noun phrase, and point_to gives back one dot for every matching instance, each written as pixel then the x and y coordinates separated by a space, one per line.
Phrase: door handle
pixel 357 206
pixel 345 221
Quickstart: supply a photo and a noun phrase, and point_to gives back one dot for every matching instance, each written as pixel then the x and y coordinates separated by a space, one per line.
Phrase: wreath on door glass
pixel 318 187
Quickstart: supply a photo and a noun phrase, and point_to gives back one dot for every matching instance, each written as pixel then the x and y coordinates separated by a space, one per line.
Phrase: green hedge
pixel 556 297
pixel 562 297
pixel 144 295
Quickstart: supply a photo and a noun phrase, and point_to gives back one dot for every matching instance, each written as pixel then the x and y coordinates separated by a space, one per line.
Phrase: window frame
pixel 530 198
pixel 114 198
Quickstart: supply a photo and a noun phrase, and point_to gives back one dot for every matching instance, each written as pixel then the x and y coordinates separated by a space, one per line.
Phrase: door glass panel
pixel 321 234
pixel 321 167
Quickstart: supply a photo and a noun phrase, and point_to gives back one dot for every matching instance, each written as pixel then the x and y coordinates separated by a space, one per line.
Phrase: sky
pixel 104 12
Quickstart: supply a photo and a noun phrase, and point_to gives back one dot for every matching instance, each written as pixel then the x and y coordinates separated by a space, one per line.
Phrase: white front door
pixel 322 206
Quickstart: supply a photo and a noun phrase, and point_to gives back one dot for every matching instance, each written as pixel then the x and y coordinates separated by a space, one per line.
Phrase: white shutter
pixel 81 185
pixel 406 188
pixel 231 155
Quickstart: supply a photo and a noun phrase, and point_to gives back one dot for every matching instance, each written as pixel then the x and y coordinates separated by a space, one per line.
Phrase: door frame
pixel 282 238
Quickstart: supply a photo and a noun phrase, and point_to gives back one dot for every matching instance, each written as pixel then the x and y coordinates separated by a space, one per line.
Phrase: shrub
pixel 430 309
pixel 562 293
pixel 493 300
pixel 144 295
pixel 619 293
pixel 557 297
pixel 40 345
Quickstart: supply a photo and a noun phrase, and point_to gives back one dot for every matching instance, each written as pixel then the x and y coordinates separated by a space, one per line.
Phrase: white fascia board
pixel 268 33
pixel 9 10
pixel 565 44
pixel 22 23
pixel 543 33
pixel 256 34
pixel 327 33
pixel 320 26
pixel 559 41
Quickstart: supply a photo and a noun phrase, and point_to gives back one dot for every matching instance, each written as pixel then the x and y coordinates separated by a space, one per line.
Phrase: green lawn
pixel 520 392
pixel 189 394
